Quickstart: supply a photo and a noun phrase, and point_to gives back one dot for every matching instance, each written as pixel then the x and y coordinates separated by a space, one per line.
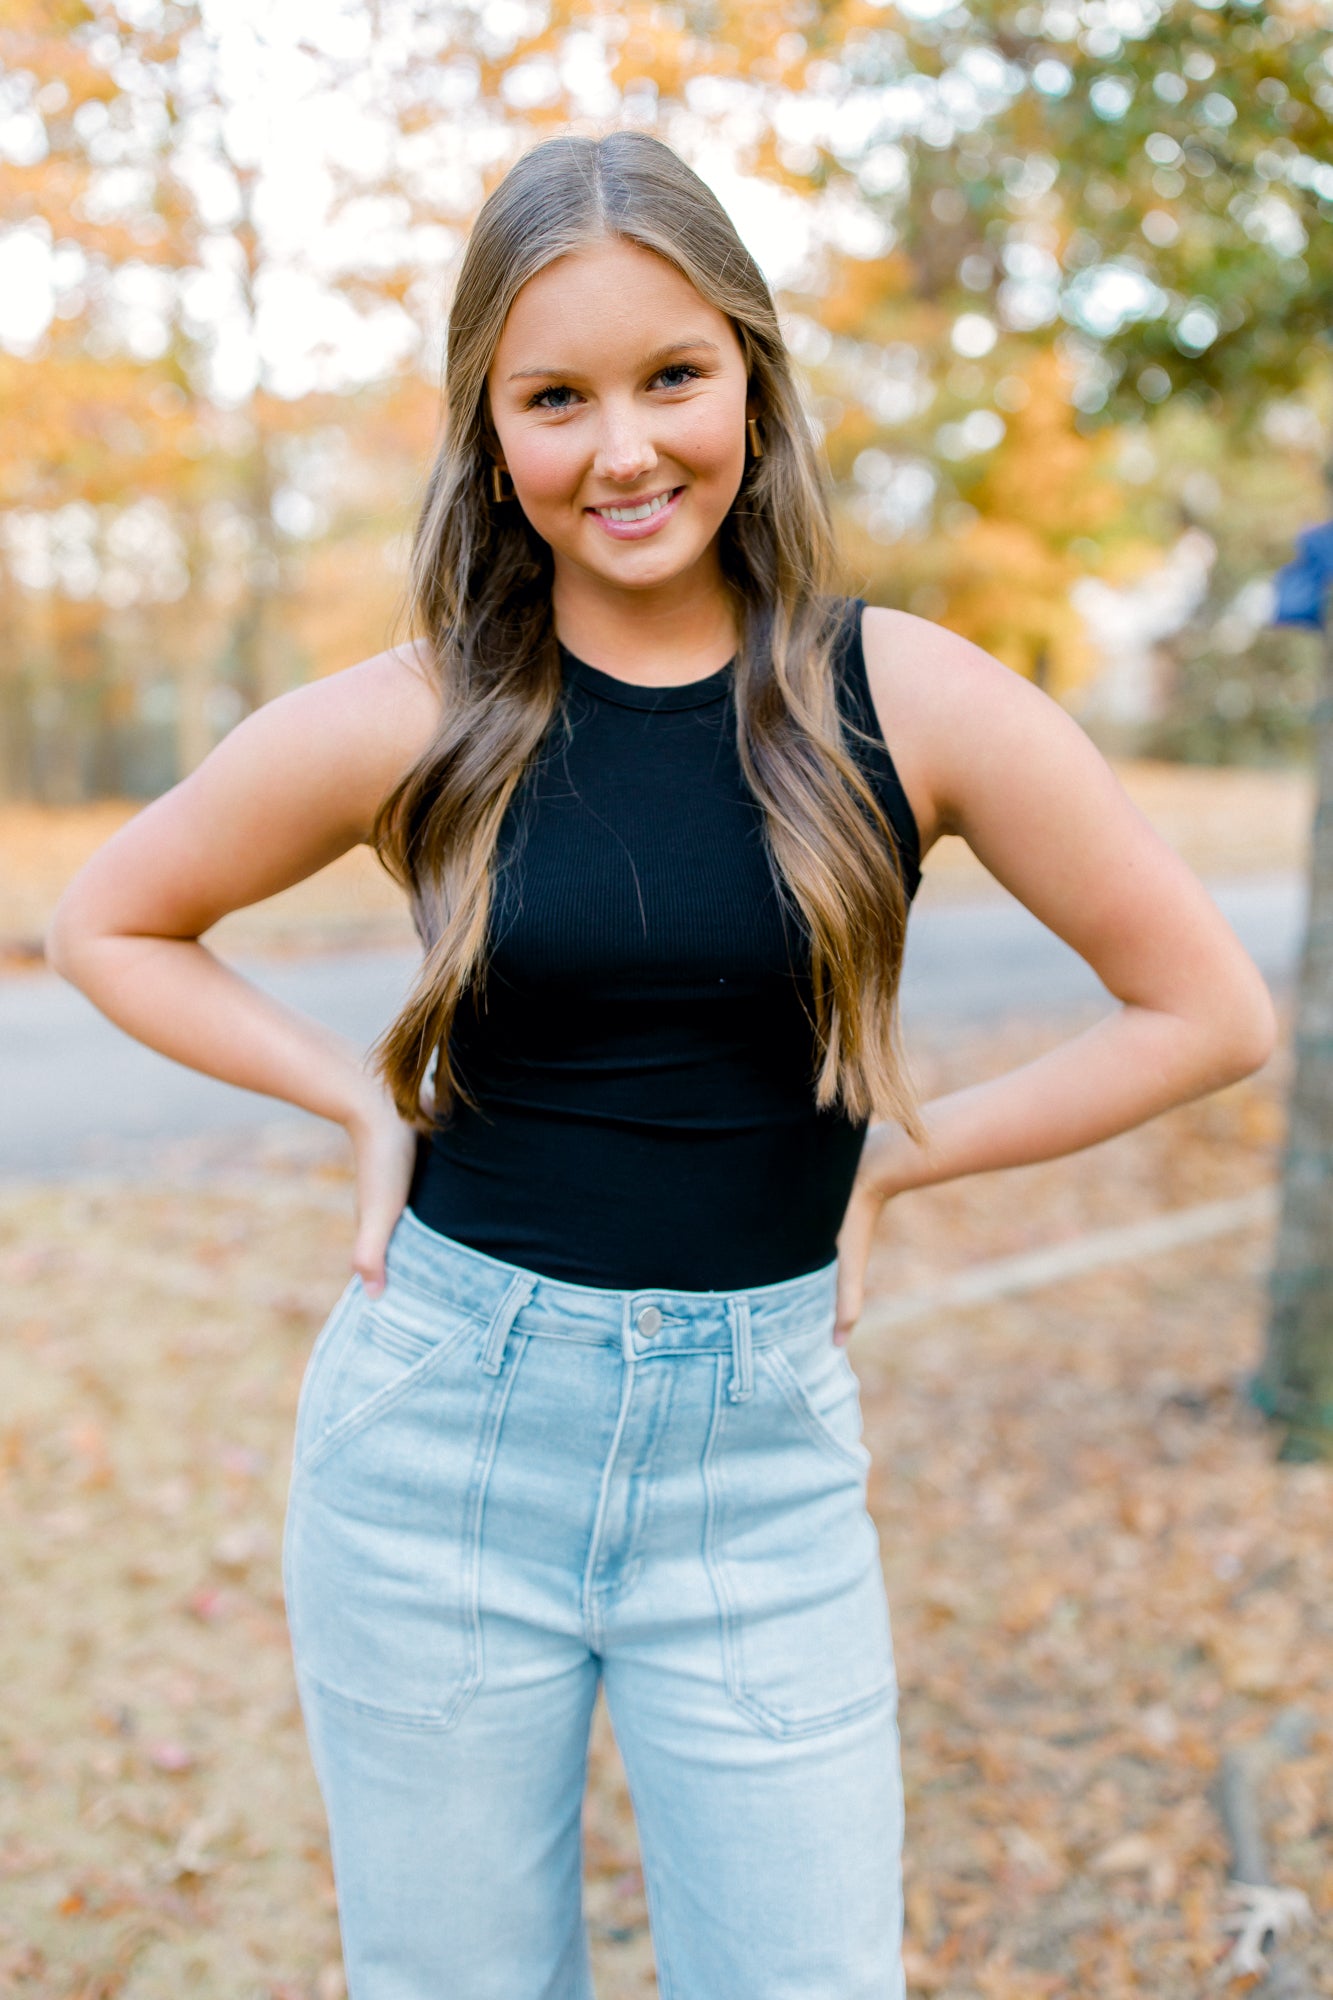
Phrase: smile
pixel 641 517
pixel 639 513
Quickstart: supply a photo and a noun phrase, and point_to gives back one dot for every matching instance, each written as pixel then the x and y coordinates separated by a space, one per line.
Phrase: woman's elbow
pixel 1248 1035
pixel 60 946
pixel 69 935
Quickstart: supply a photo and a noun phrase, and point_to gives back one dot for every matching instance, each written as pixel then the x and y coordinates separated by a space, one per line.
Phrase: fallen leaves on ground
pixel 1100 1581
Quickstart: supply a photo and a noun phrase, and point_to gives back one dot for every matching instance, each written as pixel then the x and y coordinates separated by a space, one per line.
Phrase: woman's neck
pixel 660 637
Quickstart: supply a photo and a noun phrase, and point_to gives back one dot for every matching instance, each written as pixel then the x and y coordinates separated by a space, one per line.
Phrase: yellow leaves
pixel 1006 589
pixel 344 610
pixel 1041 504
pixel 656 49
pixel 1046 473
pixel 861 290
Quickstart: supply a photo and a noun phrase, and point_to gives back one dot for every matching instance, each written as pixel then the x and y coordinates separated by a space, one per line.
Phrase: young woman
pixel 583 1414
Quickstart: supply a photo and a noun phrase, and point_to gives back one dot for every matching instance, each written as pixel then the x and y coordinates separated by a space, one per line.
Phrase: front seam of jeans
pixel 591 1623
pixel 726 1610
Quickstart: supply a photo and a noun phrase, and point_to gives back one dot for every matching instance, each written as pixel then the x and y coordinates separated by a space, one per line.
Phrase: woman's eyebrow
pixel 653 360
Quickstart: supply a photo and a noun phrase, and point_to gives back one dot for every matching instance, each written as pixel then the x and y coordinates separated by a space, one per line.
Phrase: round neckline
pixel 632 694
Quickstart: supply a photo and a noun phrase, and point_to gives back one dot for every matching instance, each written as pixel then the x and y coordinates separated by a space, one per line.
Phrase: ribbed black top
pixel 643 1057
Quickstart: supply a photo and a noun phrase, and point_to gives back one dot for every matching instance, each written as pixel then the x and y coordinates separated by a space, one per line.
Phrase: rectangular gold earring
pixel 756 442
pixel 497 485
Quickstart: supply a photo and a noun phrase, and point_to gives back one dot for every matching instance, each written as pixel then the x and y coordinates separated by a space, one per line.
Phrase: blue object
pixel 1303 585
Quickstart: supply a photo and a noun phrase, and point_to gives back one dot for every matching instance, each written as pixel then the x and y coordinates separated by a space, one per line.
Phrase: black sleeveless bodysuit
pixel 642 1058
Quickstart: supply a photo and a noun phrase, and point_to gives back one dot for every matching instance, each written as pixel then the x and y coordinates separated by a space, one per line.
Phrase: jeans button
pixel 649 1322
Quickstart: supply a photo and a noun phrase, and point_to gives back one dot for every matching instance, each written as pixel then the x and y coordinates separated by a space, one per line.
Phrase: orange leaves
pixel 1079 1552
pixel 1000 1979
pixel 1030 1605
pixel 1256 1644
pixel 1038 507
pixel 861 291
pixel 1060 1737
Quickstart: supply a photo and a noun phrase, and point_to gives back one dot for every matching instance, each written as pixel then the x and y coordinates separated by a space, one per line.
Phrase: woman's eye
pixel 677 375
pixel 552 398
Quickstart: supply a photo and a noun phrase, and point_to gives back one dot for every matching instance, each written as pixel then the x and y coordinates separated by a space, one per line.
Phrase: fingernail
pixel 841 1337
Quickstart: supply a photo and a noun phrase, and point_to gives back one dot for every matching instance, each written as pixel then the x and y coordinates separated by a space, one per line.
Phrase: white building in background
pixel 1127 625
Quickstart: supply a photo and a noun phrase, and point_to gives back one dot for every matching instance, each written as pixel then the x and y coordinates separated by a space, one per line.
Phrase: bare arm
pixel 293 787
pixel 985 755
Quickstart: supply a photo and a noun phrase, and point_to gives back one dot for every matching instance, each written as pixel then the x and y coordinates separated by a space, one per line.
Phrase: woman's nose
pixel 624 450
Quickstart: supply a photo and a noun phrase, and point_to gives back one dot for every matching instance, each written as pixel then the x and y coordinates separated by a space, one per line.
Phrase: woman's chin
pixel 643 565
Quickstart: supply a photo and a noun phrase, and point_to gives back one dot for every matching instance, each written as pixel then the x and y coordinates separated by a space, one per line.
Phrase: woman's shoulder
pixel 365 725
pixel 396 695
pixel 961 723
pixel 397 686
pixel 921 669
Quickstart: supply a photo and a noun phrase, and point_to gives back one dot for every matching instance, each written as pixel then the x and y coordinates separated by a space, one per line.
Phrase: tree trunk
pixel 1295 1381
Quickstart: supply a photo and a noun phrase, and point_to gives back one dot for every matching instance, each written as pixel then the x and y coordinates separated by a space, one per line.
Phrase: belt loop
pixel 741 1386
pixel 521 1287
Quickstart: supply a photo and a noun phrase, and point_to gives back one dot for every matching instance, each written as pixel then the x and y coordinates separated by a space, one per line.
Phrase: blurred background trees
pixel 1060 277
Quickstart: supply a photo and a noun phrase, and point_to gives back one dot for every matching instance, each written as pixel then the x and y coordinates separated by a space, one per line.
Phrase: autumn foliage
pixel 1020 227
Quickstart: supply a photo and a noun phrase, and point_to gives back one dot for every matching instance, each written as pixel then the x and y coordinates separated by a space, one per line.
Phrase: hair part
pixel 480 585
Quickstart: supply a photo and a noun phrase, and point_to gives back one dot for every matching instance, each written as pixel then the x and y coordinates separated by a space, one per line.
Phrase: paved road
pixel 77 1094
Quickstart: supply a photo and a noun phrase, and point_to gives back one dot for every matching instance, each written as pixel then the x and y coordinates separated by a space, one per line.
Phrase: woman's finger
pixel 368 1254
pixel 384 1173
pixel 848 1311
pixel 378 1209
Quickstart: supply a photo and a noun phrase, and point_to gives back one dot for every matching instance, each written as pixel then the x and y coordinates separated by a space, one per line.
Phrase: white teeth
pixel 635 513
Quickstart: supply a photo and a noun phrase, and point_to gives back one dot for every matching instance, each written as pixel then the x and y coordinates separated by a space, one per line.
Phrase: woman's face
pixel 618 396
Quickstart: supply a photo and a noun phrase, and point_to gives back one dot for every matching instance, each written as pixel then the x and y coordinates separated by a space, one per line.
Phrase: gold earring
pixel 498 493
pixel 756 442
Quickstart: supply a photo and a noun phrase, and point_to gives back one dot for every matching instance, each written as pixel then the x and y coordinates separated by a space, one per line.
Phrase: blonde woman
pixel 583 1414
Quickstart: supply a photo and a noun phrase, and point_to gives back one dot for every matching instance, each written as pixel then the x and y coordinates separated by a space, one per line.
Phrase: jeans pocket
pixel 368 1357
pixel 820 1387
pixel 792 1554
pixel 382 1537
pixel 322 1367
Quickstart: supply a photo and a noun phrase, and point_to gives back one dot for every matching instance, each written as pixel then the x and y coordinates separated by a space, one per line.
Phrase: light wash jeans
pixel 506 1489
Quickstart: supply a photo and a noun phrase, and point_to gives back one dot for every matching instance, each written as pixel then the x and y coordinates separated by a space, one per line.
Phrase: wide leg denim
pixel 506 1489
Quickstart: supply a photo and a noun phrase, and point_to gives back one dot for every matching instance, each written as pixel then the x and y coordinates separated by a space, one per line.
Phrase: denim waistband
pixel 654 1319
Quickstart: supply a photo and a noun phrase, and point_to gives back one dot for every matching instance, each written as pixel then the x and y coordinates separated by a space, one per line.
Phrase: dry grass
pixel 1100 1579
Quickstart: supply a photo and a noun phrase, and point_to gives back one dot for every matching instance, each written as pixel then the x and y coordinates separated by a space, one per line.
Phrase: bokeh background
pixel 1059 278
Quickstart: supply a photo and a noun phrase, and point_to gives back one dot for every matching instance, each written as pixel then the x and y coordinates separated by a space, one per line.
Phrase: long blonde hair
pixel 481 597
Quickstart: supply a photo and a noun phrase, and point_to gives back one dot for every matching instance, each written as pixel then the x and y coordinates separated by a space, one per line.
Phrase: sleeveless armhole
pixel 857 706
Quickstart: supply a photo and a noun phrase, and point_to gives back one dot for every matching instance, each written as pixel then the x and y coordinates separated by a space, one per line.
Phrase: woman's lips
pixel 662 506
